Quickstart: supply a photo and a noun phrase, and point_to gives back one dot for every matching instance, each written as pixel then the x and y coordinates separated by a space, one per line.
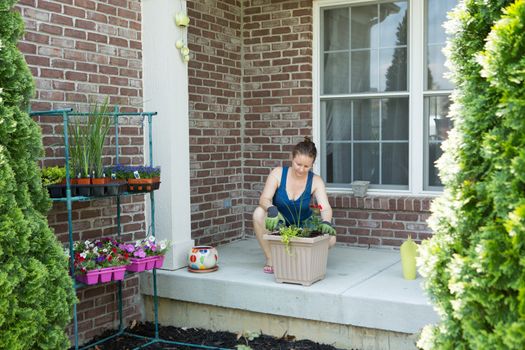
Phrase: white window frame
pixel 416 132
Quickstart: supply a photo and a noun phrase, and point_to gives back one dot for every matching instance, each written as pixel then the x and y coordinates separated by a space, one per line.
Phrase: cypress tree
pixel 474 263
pixel 36 292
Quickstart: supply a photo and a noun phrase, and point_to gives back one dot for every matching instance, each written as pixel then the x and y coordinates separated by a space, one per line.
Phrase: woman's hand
pixel 273 218
pixel 326 227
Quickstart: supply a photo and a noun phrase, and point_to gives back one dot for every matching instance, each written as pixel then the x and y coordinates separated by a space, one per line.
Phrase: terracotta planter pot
pixel 140 185
pixel 306 262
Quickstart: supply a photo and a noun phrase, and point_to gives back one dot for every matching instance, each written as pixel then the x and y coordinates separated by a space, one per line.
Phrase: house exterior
pixel 362 77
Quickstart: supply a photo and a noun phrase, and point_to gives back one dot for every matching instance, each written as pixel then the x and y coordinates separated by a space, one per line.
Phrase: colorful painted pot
pixel 202 258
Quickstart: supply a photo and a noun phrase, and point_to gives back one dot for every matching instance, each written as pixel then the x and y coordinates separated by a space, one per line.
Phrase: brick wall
pixel 277 82
pixel 78 51
pixel 215 120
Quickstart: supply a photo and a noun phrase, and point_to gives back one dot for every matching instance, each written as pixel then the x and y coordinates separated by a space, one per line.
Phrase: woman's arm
pixel 272 183
pixel 319 191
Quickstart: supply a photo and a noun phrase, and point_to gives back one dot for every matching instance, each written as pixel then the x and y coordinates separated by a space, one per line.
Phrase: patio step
pixel 363 302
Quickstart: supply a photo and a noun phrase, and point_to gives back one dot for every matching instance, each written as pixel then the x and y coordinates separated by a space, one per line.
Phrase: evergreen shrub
pixel 474 264
pixel 36 292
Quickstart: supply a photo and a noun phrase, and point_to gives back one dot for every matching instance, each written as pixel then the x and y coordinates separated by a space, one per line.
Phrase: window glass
pixel 337 116
pixel 365 57
pixel 336 29
pixel 435 38
pixel 338 163
pixel 438 126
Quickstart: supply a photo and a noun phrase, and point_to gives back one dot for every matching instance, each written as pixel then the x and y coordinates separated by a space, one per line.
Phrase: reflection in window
pixel 436 15
pixel 366 139
pixel 376 58
pixel 438 126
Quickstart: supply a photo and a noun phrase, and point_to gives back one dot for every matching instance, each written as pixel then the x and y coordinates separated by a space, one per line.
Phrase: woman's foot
pixel 268 269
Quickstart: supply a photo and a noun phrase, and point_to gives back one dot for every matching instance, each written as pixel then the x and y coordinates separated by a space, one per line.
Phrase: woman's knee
pixel 259 214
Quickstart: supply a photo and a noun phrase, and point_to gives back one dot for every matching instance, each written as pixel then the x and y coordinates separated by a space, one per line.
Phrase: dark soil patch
pixel 202 337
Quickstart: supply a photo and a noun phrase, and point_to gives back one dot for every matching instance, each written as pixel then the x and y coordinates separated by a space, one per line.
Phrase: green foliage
pixel 287 233
pixel 36 292
pixel 87 135
pixel 474 263
pixel 53 175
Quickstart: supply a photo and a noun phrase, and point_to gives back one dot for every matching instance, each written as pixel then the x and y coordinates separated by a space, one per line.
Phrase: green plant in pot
pixel 52 179
pixel 80 149
pixel 53 175
pixel 144 179
pixel 99 125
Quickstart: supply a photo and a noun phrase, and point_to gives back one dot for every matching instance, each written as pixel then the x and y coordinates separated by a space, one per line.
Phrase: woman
pixel 286 197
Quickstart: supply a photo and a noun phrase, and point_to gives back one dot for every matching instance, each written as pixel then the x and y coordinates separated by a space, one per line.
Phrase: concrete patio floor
pixel 362 288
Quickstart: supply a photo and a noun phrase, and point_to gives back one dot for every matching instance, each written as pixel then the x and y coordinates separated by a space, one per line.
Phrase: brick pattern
pixel 380 221
pixel 277 83
pixel 215 120
pixel 80 51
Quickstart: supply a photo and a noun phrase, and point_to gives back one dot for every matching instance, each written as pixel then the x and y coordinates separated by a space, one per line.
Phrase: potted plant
pixel 144 179
pixel 146 254
pixel 116 179
pixel 52 178
pixel 300 251
pixel 99 124
pixel 99 261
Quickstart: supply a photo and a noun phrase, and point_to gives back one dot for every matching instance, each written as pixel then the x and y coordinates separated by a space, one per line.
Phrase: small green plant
pixel 247 336
pixel 99 124
pixel 53 175
pixel 287 233
pixel 79 147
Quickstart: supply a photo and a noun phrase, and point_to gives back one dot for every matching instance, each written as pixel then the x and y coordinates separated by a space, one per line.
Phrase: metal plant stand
pixel 69 199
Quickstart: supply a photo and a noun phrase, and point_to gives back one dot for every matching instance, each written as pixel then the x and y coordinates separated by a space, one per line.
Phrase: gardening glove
pixel 326 227
pixel 273 218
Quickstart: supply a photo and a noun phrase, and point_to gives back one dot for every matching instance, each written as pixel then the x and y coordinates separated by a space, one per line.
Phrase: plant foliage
pixel 36 293
pixel 474 264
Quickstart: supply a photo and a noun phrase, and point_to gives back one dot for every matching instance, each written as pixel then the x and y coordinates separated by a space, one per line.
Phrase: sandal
pixel 268 269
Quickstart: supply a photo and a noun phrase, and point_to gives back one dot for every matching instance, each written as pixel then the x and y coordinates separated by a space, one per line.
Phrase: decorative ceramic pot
pixel 202 258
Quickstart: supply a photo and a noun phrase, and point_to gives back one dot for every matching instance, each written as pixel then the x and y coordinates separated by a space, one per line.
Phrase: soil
pixel 202 337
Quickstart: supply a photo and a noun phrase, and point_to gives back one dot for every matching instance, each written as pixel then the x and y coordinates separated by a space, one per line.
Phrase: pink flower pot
pixel 119 272
pixel 160 261
pixel 150 262
pixel 105 274
pixel 90 278
pixel 137 265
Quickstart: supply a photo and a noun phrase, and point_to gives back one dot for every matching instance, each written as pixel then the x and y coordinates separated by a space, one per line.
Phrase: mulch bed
pixel 202 337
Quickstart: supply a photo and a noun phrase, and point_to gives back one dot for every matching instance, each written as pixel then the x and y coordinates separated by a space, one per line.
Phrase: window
pixel 367 98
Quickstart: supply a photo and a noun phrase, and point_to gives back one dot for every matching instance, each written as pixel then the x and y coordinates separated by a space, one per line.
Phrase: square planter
pixel 137 265
pixel 360 188
pixel 160 261
pixel 106 274
pixel 306 262
pixel 119 272
pixel 91 277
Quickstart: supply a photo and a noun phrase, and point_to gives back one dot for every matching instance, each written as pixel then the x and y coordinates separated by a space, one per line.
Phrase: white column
pixel 166 92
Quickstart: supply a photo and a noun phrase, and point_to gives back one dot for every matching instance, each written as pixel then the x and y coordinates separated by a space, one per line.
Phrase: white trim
pixel 416 105
pixel 166 92
pixel 316 80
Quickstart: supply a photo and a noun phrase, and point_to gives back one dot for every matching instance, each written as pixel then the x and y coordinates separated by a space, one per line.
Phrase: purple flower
pixel 100 258
pixel 139 253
